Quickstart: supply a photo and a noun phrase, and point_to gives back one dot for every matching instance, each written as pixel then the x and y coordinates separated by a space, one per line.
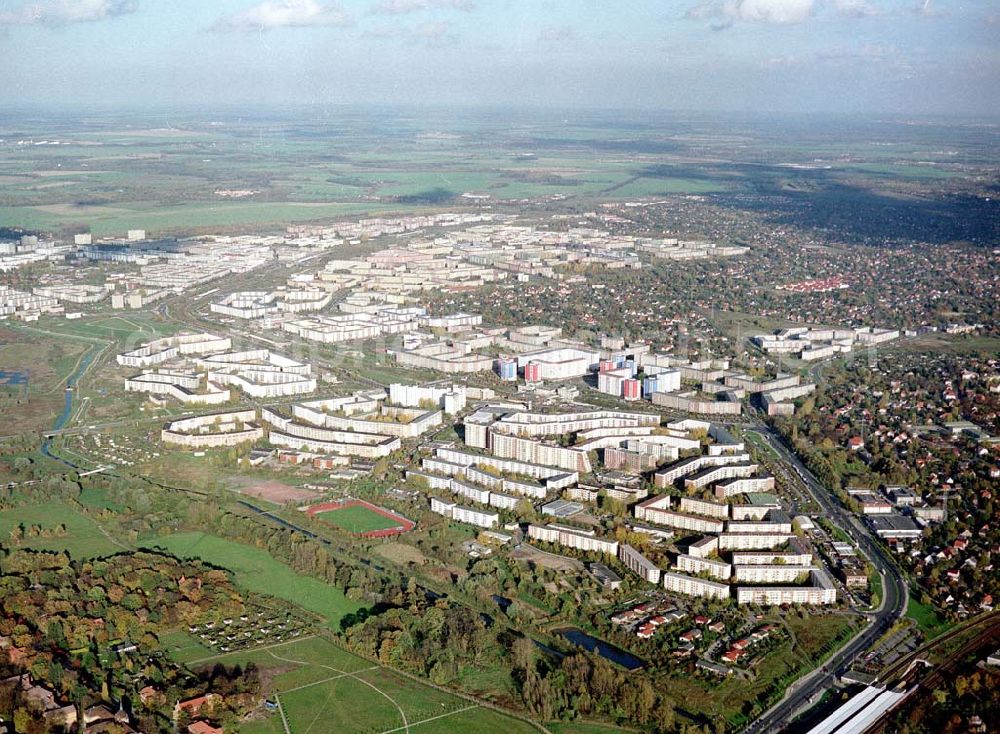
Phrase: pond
pixel 605 649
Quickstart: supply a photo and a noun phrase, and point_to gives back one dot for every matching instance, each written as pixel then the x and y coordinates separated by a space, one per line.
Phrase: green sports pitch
pixel 357 519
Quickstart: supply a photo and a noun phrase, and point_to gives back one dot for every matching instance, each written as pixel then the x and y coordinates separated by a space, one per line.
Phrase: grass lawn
pixel 184 647
pixel 323 688
pixel 927 619
pixel 357 519
pixel 257 571
pixel 83 538
pixel 97 498
pixel 581 727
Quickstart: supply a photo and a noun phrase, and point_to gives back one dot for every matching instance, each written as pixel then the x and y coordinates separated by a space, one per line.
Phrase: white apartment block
pixel 454 322
pixel 450 399
pixel 579 538
pixel 693 564
pixel 760 527
pixel 214 430
pixel 743 485
pixel 822 591
pixel 471 516
pixel 770 574
pixel 185 388
pixel 468 515
pixel 686 467
pixel 524 423
pixel 536 452
pixel 639 564
pixel 713 474
pixel 656 510
pixel 693 586
pixel 553 479
pixel 160 350
pixel 696 506
pixel 751 541
pixel 704 547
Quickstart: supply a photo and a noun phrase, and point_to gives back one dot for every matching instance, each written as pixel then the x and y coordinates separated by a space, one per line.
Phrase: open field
pixel 257 571
pixel 83 537
pixel 928 621
pixel 323 688
pixel 272 491
pixel 107 176
pixel 581 727
pixel 46 364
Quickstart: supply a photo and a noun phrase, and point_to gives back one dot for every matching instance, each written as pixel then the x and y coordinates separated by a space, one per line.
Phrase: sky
pixel 904 57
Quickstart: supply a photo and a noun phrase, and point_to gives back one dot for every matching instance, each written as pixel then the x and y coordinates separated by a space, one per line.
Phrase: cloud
pixel 778 12
pixel 66 12
pixel 285 14
pixel 403 7
pixel 726 13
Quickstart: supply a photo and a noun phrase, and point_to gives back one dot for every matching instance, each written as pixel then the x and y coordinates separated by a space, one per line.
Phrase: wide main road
pixel 894 597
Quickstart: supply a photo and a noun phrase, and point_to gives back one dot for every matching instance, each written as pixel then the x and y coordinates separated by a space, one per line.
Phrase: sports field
pixel 322 688
pixel 257 571
pixel 361 518
pixel 357 519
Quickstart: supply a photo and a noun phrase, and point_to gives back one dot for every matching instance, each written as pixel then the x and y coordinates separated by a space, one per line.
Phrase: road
pixel 894 598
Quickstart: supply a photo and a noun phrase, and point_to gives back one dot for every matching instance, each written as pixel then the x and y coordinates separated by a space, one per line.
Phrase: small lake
pixel 605 649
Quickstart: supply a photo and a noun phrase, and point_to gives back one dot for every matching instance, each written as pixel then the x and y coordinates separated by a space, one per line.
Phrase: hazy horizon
pixel 916 58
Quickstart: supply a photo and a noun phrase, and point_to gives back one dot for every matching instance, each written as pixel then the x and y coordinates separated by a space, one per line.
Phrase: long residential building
pixel 534 424
pixel 770 573
pixel 751 541
pixel 639 564
pixel 821 591
pixel 159 351
pixel 185 388
pixel 537 452
pixel 693 564
pixel 694 586
pixel 468 515
pixel 685 467
pixel 742 485
pixel 214 430
pixel 553 479
pixel 655 510
pixel 718 473
pixel 579 538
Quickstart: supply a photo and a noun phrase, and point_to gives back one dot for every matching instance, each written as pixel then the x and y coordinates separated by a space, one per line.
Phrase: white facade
pixel 694 564
pixel 693 586
pixel 585 540
pixel 639 564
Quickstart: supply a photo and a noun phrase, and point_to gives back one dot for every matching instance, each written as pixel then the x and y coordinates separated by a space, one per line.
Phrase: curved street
pixel 894 598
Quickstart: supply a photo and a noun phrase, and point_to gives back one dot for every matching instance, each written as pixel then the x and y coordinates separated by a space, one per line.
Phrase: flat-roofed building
pixel 694 564
pixel 770 573
pixel 579 538
pixel 821 592
pixel 751 541
pixel 639 564
pixel 694 586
